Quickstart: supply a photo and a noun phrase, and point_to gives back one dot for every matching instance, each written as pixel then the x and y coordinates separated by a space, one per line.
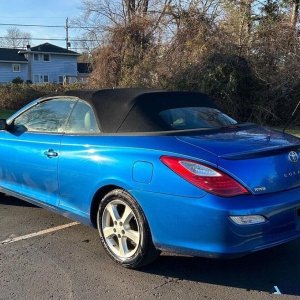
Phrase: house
pixel 50 63
pixel 12 64
pixel 40 64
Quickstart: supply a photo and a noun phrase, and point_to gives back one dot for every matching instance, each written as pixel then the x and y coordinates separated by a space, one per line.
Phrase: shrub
pixel 14 96
pixel 17 80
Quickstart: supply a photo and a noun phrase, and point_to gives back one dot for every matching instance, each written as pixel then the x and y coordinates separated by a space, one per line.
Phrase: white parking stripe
pixel 277 291
pixel 28 236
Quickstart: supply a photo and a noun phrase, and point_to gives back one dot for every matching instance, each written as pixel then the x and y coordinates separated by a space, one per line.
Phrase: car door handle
pixel 51 153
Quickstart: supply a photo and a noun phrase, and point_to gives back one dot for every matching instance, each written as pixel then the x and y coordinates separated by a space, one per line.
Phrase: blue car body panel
pixel 26 169
pixel 257 157
pixel 131 163
pixel 201 226
pixel 181 216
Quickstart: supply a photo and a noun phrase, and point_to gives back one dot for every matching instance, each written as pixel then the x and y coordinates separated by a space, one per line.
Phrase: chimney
pixel 28 47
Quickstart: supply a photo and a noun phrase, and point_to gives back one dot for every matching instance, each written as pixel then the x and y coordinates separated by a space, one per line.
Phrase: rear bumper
pixel 202 227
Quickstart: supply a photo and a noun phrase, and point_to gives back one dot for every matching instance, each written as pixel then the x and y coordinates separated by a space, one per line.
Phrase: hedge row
pixel 14 96
pixel 242 97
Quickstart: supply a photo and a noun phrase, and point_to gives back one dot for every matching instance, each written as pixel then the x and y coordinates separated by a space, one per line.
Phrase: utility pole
pixel 67 34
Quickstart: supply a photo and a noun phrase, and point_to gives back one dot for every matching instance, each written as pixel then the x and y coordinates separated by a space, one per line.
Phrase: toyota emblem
pixel 293 156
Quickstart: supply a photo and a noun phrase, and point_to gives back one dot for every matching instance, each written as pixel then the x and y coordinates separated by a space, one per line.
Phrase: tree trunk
pixel 134 7
pixel 295 13
pixel 246 6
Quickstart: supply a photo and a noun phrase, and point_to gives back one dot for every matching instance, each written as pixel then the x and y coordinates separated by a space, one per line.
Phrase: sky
pixel 40 12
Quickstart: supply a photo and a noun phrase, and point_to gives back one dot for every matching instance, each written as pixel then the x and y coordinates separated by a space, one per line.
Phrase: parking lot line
pixel 277 291
pixel 31 235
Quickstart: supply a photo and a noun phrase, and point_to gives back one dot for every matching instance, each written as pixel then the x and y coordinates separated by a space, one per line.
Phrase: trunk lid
pixel 262 159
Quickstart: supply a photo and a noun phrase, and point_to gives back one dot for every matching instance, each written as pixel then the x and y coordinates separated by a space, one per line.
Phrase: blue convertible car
pixel 154 170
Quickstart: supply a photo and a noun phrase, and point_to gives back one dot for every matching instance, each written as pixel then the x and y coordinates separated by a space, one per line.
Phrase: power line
pixel 31 25
pixel 80 48
pixel 5 17
pixel 24 48
pixel 47 39
pixel 47 26
pixel 29 38
pixel 67 38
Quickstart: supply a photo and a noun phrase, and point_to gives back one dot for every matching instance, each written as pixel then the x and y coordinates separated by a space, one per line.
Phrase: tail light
pixel 205 177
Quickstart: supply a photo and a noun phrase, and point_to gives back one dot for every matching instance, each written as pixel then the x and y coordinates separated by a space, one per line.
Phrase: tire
pixel 124 231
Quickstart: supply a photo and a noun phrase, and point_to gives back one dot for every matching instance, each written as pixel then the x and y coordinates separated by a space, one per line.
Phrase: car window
pixel 195 117
pixel 82 120
pixel 48 116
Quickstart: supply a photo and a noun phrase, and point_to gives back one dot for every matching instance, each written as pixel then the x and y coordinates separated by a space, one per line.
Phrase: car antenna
pixel 291 118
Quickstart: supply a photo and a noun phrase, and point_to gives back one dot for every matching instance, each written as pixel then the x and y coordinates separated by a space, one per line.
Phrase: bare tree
pixel 243 52
pixel 15 38
pixel 295 12
pixel 126 31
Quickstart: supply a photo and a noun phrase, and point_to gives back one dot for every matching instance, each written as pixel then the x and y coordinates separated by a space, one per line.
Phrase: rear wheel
pixel 124 231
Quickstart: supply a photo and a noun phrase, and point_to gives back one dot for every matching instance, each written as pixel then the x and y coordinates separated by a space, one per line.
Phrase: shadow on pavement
pixel 261 271
pixel 8 200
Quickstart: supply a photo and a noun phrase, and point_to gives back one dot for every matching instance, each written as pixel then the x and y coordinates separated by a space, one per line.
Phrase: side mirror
pixel 3 124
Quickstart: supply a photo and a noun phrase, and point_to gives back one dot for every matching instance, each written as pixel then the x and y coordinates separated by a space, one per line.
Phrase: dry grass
pixel 294 131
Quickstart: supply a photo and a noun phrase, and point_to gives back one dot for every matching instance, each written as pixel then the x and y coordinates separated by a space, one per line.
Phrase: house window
pixel 40 78
pixel 61 79
pixel 35 56
pixel 16 67
pixel 46 57
pixel 36 78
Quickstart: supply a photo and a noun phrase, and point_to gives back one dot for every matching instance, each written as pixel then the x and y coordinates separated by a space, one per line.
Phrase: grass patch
pixel 293 130
pixel 5 113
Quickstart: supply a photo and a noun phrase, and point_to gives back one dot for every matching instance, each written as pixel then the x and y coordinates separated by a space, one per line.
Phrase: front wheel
pixel 124 231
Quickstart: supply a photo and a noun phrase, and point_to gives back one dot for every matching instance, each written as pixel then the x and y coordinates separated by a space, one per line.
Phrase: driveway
pixel 46 256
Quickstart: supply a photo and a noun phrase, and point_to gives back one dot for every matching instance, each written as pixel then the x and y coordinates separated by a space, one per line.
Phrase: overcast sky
pixel 41 12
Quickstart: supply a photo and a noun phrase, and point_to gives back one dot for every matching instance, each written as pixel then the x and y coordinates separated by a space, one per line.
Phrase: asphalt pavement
pixel 70 263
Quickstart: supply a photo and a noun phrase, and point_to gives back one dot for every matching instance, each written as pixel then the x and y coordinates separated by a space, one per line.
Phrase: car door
pixel 30 150
pixel 77 162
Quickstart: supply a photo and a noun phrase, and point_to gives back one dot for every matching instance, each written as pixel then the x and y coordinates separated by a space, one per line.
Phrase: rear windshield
pixel 195 117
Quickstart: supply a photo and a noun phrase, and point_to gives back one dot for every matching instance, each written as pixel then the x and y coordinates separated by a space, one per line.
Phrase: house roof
pixel 12 55
pixel 50 48
pixel 84 68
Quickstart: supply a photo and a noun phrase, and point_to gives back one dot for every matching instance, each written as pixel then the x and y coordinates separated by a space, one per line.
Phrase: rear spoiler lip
pixel 260 153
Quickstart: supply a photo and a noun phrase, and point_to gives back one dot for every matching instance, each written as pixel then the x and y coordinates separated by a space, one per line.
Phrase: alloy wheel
pixel 120 229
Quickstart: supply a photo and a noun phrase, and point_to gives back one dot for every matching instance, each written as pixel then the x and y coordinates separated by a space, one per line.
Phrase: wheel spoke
pixel 127 215
pixel 108 232
pixel 123 246
pixel 113 212
pixel 133 236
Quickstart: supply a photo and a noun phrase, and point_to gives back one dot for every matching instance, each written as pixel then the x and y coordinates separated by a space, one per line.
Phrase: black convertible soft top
pixel 137 110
